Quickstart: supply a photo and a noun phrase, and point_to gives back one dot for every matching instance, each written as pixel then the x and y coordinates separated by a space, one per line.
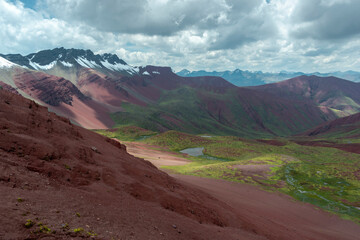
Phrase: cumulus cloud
pixel 24 30
pixel 295 35
pixel 149 17
pixel 327 20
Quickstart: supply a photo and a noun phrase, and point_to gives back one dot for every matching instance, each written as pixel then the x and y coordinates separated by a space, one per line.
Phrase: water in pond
pixel 198 152
pixel 195 152
pixel 144 137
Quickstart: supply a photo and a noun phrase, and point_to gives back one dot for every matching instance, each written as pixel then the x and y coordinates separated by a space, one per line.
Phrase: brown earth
pixel 329 92
pixel 63 97
pixel 154 155
pixel 8 88
pixel 348 147
pixel 271 142
pixel 276 215
pixel 273 215
pixel 339 126
pixel 65 177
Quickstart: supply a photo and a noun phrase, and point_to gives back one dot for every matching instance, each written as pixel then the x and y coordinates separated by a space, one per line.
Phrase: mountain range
pixel 103 91
pixel 248 78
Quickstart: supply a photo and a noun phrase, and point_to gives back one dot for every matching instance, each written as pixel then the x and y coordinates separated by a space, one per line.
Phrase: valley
pixel 324 176
pixel 299 216
pixel 273 161
pixel 179 120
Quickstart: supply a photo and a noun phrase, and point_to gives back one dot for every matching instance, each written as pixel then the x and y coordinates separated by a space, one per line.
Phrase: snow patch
pixel 155 72
pixel 42 67
pixel 146 73
pixel 119 67
pixel 66 64
pixel 87 63
pixel 4 63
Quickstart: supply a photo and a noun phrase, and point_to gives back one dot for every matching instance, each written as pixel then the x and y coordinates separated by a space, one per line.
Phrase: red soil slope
pixel 104 89
pixel 273 214
pixel 65 177
pixel 62 97
pixel 348 147
pixel 8 87
pixel 345 124
pixel 324 91
pixel 164 78
pixel 342 128
pixel 277 216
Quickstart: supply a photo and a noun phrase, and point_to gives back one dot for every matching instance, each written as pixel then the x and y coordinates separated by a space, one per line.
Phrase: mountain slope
pixel 338 94
pixel 213 105
pixel 154 97
pixel 247 78
pixel 236 77
pixel 346 127
pixel 56 93
pixel 66 62
pixel 57 177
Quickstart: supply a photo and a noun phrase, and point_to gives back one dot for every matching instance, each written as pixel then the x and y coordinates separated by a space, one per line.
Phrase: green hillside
pixel 239 113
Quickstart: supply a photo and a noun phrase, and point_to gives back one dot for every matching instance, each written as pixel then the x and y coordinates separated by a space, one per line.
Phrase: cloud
pixel 327 20
pixel 294 35
pixel 149 17
pixel 23 30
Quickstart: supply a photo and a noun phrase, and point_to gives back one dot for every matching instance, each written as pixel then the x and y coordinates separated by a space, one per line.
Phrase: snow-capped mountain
pixel 67 58
pixel 4 63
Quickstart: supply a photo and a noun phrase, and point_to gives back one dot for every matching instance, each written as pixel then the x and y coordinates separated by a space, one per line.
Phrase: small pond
pixel 198 152
pixel 195 152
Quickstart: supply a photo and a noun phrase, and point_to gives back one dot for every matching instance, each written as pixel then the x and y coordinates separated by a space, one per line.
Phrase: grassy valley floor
pixel 326 177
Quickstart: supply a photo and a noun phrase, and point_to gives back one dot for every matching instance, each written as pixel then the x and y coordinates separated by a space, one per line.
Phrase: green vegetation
pixel 20 200
pixel 177 141
pixel 324 176
pixel 228 112
pixel 43 228
pixel 91 234
pixel 29 223
pixel 184 110
pixel 77 214
pixel 345 134
pixel 78 230
pixel 126 133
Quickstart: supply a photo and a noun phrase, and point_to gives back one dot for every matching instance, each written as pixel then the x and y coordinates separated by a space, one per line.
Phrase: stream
pixel 314 197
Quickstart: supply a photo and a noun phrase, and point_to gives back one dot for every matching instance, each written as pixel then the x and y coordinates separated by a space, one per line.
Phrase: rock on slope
pixel 69 179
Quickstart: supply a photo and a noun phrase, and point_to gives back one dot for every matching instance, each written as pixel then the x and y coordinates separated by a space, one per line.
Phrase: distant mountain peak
pixel 47 59
pixel 4 63
pixel 183 72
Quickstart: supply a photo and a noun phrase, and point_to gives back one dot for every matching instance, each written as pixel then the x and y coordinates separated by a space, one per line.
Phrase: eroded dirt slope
pixel 58 175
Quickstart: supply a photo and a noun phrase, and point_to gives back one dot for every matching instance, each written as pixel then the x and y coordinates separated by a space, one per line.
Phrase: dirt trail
pixel 156 157
pixel 264 211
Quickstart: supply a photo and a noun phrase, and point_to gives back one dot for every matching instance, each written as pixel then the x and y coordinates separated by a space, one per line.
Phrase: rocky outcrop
pixel 49 89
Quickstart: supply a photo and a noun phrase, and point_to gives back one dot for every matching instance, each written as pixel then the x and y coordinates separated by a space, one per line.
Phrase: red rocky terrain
pixel 329 92
pixel 339 126
pixel 60 181
pixel 8 87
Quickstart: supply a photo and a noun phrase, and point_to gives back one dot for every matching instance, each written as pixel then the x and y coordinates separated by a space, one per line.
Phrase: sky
pixel 255 35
